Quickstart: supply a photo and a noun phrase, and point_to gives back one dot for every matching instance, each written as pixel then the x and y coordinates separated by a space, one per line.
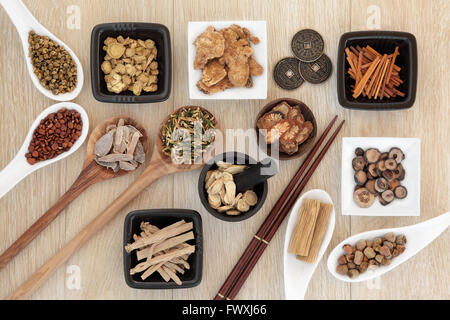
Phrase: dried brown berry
pixel 342 260
pixel 390 237
pixel 379 258
pixel 369 253
pixel 353 273
pixel 363 267
pixel 52 64
pixel 348 249
pixel 384 250
pixel 360 245
pixel 358 257
pixel 342 269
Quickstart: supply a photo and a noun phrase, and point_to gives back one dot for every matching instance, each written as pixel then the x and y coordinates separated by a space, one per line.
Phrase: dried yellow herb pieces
pixel 130 64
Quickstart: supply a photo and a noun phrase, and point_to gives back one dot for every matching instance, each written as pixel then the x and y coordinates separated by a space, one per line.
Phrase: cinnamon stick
pixel 360 86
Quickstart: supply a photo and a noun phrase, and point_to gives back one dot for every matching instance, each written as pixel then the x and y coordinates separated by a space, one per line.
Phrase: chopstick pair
pixel 264 235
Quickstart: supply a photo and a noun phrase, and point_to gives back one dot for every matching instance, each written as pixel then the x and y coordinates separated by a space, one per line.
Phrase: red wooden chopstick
pixel 257 239
pixel 273 229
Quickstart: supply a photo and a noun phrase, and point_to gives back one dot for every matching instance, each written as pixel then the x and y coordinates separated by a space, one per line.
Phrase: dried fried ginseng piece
pixel 218 87
pixel 236 60
pixel 307 127
pixel 255 68
pixel 291 134
pixel 270 119
pixel 210 44
pixel 277 131
pixel 295 114
pixel 289 148
pixel 213 72
pixel 283 107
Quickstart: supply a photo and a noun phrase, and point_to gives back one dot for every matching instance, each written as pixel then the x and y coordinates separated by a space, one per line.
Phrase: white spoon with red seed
pixel 19 168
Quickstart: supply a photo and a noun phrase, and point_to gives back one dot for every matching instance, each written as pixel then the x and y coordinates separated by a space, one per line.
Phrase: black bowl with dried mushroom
pixel 141 59
pixel 287 123
pixel 163 249
pixel 218 192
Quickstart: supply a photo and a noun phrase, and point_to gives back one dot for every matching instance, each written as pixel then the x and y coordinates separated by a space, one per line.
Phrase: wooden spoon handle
pixel 155 170
pixel 88 176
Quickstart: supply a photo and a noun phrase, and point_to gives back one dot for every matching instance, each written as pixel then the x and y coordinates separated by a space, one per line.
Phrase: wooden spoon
pixel 160 165
pixel 90 174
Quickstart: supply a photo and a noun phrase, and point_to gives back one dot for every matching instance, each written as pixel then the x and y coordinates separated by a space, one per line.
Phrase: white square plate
pixel 410 206
pixel 259 89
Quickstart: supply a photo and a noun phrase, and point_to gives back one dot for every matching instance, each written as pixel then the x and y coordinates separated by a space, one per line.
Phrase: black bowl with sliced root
pixel 163 218
pixel 236 158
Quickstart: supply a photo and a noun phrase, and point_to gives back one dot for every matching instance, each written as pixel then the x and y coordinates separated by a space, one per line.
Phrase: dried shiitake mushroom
pixel 378 175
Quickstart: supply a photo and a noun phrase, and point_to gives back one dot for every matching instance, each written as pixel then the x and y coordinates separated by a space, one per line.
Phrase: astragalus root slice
pixel 168 252
pixel 120 147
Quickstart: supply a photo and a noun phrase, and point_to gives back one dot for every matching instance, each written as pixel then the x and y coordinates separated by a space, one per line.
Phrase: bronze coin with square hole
pixel 307 45
pixel 287 75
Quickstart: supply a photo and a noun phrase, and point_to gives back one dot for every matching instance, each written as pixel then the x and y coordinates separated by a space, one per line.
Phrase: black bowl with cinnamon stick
pixel 377 70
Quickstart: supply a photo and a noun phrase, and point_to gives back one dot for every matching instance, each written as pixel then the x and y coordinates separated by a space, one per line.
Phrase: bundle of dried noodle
pixel 319 232
pixel 163 250
pixel 304 229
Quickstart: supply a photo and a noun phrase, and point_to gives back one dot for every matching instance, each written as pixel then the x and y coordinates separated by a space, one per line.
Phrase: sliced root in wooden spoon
pixel 91 173
pixel 160 165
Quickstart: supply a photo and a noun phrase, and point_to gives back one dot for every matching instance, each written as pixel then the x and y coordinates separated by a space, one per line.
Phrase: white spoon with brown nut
pixel 25 22
pixel 418 236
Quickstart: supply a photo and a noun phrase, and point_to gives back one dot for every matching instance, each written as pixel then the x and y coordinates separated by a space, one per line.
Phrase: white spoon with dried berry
pixel 55 134
pixel 370 254
pixel 53 67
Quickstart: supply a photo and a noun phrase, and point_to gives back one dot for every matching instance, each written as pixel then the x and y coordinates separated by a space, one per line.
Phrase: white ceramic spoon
pixel 418 236
pixel 25 22
pixel 297 274
pixel 19 168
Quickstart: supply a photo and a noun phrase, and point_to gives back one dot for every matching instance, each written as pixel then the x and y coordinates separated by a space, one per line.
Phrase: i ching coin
pixel 307 45
pixel 317 71
pixel 287 74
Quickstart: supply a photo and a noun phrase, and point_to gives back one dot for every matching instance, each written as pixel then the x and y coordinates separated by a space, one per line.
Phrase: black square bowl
pixel 158 33
pixel 383 42
pixel 162 218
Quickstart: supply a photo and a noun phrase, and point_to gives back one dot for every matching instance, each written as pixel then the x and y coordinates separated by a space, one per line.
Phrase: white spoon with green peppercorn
pixel 19 167
pixel 418 236
pixel 25 22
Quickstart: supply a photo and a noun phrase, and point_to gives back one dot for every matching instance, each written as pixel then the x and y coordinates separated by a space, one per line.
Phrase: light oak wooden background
pixel 426 276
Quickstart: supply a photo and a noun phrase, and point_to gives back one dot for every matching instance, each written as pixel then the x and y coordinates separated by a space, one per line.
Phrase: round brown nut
pixel 401 248
pixel 360 245
pixel 390 237
pixel 389 245
pixel 358 257
pixel 349 257
pixel 351 265
pixel 384 250
pixel 377 241
pixel 400 239
pixel 342 269
pixel 363 267
pixel 348 249
pixel 369 253
pixel 379 258
pixel 342 260
pixel 353 273
pixel 386 262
